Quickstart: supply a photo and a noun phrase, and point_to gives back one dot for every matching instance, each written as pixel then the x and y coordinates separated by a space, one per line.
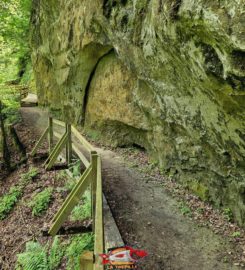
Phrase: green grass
pixel 39 203
pixel 8 201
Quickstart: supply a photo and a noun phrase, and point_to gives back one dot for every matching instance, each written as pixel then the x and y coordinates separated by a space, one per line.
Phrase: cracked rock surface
pixel 167 76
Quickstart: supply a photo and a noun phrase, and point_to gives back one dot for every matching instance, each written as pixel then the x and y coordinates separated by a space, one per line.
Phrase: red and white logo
pixel 123 256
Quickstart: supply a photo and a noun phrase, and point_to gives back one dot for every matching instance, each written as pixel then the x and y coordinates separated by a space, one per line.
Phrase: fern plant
pixel 77 246
pixel 39 203
pixel 8 201
pixel 38 257
pixel 30 175
pixel 35 257
pixel 56 254
pixel 83 210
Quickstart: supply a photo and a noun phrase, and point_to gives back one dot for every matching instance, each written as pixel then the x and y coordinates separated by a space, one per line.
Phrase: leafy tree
pixel 14 30
pixel 14 21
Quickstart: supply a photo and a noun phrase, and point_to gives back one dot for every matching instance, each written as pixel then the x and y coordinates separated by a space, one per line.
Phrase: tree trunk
pixel 6 153
pixel 18 143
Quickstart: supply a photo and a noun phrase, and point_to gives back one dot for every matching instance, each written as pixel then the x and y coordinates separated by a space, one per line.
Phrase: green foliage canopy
pixel 14 21
pixel 14 35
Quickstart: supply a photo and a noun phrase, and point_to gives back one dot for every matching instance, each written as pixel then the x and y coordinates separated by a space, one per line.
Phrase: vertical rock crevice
pixel 86 95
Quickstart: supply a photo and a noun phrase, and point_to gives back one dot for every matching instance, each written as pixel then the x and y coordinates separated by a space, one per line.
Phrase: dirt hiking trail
pixel 149 218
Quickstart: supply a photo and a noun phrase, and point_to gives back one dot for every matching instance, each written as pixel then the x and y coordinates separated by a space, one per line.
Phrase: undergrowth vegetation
pixel 9 115
pixel 75 248
pixel 11 101
pixel 40 202
pixel 44 254
pixel 38 257
pixel 14 35
pixel 49 257
pixel 83 210
pixel 8 201
pixel 29 176
pixel 15 68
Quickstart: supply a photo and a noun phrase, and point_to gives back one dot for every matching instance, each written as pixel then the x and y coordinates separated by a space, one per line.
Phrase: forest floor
pixel 24 215
pixel 156 214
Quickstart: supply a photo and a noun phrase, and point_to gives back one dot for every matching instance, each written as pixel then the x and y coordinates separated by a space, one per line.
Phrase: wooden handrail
pixel 92 176
pixel 80 155
pixel 59 123
pixel 77 134
pixel 85 143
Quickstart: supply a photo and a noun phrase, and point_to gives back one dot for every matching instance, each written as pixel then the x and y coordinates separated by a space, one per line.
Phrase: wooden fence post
pixel 51 134
pixel 87 260
pixel 69 144
pixel 99 244
pixel 94 163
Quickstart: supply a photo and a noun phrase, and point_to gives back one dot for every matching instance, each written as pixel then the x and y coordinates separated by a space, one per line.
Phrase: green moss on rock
pixel 168 76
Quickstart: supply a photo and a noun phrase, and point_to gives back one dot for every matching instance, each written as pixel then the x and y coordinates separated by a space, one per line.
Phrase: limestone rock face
pixel 167 75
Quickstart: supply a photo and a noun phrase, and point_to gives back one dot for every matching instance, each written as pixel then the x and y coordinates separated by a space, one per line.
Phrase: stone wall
pixel 168 76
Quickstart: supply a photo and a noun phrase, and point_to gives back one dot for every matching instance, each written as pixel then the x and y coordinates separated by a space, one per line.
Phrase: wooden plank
pixel 71 229
pixel 111 233
pixel 56 151
pixel 76 133
pixel 45 133
pixel 76 150
pixel 84 142
pixel 99 226
pixel 59 123
pixel 57 145
pixel 71 202
pixel 57 135
pixel 72 192
pixel 81 156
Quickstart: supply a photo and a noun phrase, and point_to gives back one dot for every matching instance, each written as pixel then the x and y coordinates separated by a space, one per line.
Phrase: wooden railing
pixel 72 140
